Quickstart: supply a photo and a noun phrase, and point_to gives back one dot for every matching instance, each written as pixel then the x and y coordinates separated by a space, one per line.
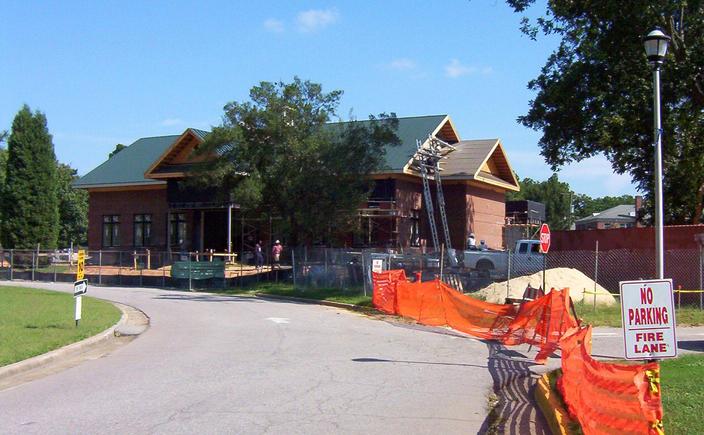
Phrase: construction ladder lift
pixel 426 160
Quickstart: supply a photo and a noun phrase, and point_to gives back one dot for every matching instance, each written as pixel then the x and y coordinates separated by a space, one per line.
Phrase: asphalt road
pixel 213 364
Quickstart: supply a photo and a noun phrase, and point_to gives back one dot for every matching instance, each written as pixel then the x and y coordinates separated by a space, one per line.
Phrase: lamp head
pixel 656 47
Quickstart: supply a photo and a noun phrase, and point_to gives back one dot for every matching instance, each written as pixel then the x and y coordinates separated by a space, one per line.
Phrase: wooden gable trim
pixel 498 147
pixel 174 146
pixel 447 125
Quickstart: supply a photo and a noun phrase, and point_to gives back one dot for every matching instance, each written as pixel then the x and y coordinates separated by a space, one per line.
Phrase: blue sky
pixel 112 72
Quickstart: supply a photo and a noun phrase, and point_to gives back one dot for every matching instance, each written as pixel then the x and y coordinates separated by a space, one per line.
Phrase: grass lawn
pixel 683 394
pixel 611 315
pixel 33 322
pixel 351 296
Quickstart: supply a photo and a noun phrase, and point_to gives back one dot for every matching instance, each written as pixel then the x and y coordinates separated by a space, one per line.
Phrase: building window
pixel 177 229
pixel 142 230
pixel 111 231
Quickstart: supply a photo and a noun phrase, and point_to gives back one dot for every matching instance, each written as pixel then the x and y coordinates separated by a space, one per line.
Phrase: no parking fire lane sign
pixel 648 319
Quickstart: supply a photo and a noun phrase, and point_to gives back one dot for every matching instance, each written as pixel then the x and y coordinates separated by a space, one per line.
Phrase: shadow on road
pixel 516 411
pixel 373 360
pixel 207 298
pixel 692 345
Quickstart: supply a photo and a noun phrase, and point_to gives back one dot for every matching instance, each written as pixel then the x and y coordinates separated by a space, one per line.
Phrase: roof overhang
pixel 179 152
pixel 154 185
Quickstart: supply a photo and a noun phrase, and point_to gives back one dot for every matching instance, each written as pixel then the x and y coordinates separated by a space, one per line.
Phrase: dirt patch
pixel 561 277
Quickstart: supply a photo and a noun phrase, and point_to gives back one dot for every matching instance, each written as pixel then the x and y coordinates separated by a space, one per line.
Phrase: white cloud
pixel 316 19
pixel 456 69
pixel 402 64
pixel 594 176
pixel 274 25
pixel 170 122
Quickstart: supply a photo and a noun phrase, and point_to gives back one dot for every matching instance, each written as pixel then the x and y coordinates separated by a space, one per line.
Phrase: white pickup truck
pixel 526 259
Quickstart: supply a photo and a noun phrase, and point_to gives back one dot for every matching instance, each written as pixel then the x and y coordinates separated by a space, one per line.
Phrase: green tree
pixel 555 194
pixel 585 206
pixel 30 212
pixel 73 208
pixel 279 155
pixel 594 94
pixel 119 147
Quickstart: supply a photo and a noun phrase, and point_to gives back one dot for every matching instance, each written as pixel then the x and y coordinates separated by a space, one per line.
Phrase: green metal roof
pixel 409 129
pixel 128 166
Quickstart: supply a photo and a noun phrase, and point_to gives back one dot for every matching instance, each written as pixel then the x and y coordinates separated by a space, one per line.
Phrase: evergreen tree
pixel 30 212
pixel 73 208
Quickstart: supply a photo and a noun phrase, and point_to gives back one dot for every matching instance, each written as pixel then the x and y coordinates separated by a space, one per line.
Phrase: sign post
pixel 648 319
pixel 80 287
pixel 544 247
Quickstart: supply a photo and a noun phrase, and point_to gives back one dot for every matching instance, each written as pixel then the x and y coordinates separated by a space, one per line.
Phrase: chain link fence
pixel 145 268
pixel 350 270
pixel 470 271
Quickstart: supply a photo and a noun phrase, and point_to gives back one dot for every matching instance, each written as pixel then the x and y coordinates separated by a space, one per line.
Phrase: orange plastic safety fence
pixel 384 294
pixel 605 398
pixel 608 398
pixel 541 322
pixel 435 303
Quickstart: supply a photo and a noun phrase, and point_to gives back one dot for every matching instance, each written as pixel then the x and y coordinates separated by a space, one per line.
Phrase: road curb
pixel 555 414
pixel 73 348
pixel 313 302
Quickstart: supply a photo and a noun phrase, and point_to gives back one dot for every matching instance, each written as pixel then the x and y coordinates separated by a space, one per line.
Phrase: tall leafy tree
pixel 30 212
pixel 278 154
pixel 594 94
pixel 555 194
pixel 119 147
pixel 73 208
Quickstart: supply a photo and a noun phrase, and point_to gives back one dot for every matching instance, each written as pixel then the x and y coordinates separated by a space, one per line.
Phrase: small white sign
pixel 80 287
pixel 79 300
pixel 648 319
pixel 377 265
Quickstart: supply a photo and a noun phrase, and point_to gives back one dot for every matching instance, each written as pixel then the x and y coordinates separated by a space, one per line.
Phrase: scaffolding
pixel 382 217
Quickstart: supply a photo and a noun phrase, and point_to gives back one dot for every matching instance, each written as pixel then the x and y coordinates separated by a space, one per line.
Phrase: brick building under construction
pixel 135 201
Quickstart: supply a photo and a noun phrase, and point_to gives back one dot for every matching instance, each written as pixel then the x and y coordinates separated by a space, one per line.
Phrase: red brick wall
pixel 676 237
pixel 455 206
pixel 127 204
pixel 409 197
pixel 486 209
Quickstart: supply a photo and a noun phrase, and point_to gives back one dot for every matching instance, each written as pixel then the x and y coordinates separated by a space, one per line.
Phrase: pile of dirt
pixel 559 278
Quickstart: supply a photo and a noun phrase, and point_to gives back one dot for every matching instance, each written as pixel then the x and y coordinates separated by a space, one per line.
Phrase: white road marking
pixel 277 319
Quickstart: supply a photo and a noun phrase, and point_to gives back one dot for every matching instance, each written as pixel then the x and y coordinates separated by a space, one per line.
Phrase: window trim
pixel 111 221
pixel 145 222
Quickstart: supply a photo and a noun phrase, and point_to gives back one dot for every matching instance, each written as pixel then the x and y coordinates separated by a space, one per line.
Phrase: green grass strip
pixel 683 394
pixel 611 315
pixel 353 296
pixel 33 322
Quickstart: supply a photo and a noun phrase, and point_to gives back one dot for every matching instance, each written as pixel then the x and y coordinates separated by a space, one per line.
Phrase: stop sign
pixel 544 238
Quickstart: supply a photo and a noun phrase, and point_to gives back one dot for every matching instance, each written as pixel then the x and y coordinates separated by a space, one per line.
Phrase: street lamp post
pixel 656 48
